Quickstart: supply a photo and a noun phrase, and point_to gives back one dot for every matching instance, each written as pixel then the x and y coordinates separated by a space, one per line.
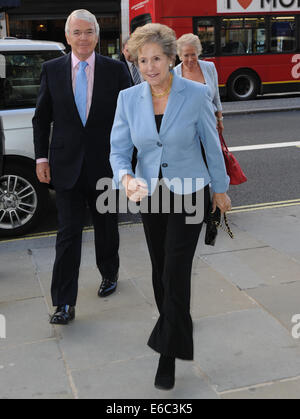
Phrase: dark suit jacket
pixel 1 149
pixel 72 143
pixel 123 59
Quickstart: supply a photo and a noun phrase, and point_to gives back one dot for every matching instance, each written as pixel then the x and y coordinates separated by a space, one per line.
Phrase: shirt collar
pixel 90 60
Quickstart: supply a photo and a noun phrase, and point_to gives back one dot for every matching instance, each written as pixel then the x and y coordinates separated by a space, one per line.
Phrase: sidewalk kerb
pixel 260 110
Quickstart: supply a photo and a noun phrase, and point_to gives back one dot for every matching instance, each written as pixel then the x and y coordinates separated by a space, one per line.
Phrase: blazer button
pixel 159 144
pixel 164 165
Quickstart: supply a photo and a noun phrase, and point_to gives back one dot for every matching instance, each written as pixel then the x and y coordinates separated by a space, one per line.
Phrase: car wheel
pixel 22 200
pixel 243 85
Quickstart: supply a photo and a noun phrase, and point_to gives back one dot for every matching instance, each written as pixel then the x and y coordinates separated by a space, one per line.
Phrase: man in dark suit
pixel 1 149
pixel 135 78
pixel 135 75
pixel 78 94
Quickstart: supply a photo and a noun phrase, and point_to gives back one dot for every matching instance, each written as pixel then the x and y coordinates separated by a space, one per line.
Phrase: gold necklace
pixel 166 92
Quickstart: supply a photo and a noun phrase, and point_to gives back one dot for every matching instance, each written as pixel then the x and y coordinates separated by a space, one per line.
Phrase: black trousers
pixel 71 208
pixel 172 244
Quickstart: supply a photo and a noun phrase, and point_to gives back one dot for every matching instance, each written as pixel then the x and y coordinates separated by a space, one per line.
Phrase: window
pixel 283 34
pixel 206 32
pixel 20 77
pixel 140 21
pixel 243 36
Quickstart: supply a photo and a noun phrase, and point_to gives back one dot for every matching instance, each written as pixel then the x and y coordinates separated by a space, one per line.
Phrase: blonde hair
pixel 153 33
pixel 189 39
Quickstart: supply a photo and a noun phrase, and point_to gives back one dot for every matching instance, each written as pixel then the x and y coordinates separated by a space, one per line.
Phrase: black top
pixel 158 119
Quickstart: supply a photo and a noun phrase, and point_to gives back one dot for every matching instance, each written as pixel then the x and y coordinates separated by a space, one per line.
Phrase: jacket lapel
pixel 175 102
pixel 99 84
pixel 146 105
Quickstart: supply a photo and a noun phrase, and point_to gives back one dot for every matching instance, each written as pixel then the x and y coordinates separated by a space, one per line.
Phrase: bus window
pixel 207 33
pixel 140 20
pixel 283 34
pixel 243 36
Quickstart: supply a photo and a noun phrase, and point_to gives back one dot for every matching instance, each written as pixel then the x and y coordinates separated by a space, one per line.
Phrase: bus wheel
pixel 243 85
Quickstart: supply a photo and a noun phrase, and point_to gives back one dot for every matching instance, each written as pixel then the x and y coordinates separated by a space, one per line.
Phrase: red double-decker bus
pixel 255 44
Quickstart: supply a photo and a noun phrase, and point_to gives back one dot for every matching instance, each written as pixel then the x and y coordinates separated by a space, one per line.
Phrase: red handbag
pixel 233 168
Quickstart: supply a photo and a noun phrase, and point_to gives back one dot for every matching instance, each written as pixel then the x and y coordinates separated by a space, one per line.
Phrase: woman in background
pixel 188 49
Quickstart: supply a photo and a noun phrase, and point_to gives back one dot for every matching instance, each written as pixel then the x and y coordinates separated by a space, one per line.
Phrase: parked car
pixel 22 197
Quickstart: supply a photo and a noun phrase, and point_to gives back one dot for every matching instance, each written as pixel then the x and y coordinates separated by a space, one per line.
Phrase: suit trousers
pixel 71 209
pixel 172 244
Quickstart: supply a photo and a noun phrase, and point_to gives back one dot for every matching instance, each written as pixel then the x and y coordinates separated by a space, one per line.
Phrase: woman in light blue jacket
pixel 188 49
pixel 164 118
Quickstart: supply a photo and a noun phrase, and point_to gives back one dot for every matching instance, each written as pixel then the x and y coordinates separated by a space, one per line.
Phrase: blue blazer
pixel 211 79
pixel 176 149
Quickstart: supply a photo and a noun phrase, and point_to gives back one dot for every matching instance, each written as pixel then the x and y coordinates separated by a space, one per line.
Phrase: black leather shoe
pixel 108 286
pixel 63 315
pixel 165 376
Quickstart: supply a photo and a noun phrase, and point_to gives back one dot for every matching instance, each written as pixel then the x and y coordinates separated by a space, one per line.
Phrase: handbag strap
pixel 223 144
pixel 227 229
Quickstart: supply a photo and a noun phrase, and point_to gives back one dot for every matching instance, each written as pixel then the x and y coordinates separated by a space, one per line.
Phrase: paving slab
pixel 27 321
pixel 286 389
pixel 254 268
pixel 278 228
pixel 97 339
pixel 17 276
pixel 281 301
pixel 245 348
pixel 33 371
pixel 242 240
pixel 212 295
pixel 134 378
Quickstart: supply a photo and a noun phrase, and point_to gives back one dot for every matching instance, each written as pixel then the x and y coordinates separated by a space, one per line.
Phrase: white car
pixel 22 197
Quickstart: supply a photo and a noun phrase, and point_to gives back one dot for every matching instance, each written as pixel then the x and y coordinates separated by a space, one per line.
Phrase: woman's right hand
pixel 135 188
pixel 222 201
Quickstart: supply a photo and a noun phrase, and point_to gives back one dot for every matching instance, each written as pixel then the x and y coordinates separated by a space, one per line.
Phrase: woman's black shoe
pixel 165 375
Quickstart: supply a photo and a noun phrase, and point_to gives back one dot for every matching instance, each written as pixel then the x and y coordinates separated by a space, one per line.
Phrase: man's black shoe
pixel 108 286
pixel 63 315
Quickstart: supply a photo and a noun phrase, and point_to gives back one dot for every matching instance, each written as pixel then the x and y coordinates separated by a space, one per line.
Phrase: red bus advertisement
pixel 255 44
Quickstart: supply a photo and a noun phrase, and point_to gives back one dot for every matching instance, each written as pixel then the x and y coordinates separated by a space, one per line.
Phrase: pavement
pixel 245 292
pixel 261 105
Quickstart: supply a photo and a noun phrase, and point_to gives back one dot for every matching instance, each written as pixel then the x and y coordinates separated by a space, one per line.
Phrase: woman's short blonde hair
pixel 153 33
pixel 191 40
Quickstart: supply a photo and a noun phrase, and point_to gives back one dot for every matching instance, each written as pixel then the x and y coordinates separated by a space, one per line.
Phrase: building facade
pixel 45 20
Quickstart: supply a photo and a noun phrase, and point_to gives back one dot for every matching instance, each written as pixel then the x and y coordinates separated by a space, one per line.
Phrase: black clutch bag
pixel 213 221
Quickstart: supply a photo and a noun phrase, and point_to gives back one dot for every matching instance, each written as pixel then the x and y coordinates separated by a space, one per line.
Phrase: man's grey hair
pixel 83 15
pixel 124 41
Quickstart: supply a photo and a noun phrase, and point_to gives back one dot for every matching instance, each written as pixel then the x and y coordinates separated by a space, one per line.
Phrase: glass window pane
pixel 243 36
pixel 206 33
pixel 20 77
pixel 283 34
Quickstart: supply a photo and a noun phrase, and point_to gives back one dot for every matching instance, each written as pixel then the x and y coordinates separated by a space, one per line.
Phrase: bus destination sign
pixel 257 6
